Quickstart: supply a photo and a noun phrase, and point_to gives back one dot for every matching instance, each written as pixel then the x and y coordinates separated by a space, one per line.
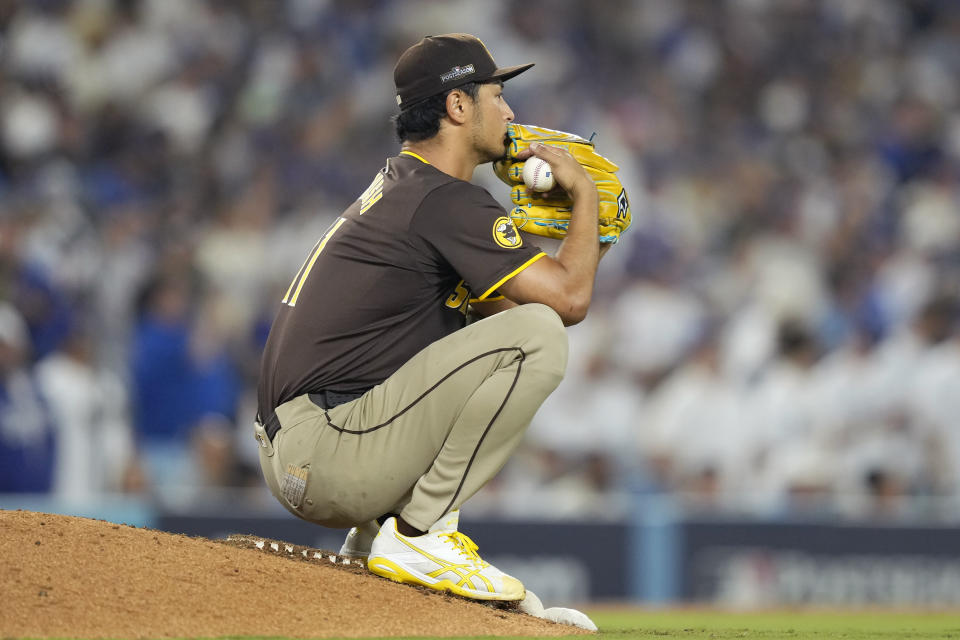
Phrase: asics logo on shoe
pixel 442 560
pixel 466 572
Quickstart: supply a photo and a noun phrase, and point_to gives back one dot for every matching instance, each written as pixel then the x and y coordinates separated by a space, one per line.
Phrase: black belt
pixel 326 399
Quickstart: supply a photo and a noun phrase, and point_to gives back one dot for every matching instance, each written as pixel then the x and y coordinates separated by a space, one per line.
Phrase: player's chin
pixel 496 155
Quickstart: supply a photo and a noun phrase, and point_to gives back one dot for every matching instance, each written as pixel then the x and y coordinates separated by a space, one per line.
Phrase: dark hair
pixel 422 121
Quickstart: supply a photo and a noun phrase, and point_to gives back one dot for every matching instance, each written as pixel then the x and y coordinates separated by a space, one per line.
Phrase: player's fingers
pixel 566 170
pixel 555 194
pixel 549 152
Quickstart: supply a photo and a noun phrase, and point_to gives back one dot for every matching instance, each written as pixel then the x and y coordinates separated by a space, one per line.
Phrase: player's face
pixel 491 118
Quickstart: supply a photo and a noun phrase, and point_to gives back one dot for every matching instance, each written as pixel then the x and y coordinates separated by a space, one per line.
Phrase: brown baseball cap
pixel 440 63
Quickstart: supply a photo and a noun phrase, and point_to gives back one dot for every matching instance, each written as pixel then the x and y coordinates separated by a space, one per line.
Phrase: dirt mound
pixel 72 577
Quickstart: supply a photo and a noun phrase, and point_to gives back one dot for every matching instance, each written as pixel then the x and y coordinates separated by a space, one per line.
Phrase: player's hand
pixel 571 177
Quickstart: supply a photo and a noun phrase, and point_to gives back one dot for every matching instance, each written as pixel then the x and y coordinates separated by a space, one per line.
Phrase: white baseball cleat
pixel 358 540
pixel 441 560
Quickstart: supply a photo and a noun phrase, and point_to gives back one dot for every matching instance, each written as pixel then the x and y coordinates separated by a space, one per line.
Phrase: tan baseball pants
pixel 427 438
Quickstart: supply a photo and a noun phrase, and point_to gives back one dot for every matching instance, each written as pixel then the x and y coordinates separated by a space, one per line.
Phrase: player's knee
pixel 537 320
pixel 545 338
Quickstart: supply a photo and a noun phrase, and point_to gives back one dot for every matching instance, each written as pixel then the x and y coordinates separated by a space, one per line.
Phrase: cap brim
pixel 506 73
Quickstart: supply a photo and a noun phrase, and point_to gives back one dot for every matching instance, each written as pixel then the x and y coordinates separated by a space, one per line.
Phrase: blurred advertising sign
pixel 771 564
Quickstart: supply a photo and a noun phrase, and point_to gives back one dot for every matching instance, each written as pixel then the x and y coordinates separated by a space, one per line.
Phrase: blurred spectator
pixel 694 433
pixel 27 440
pixel 654 322
pixel 790 462
pixel 28 286
pixel 215 458
pixel 90 408
pixel 182 374
pixel 163 373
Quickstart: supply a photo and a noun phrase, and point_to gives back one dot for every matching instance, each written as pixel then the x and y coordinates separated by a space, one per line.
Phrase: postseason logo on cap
pixel 457 72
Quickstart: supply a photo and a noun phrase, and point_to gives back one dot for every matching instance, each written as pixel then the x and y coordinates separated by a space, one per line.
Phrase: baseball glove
pixel 548 215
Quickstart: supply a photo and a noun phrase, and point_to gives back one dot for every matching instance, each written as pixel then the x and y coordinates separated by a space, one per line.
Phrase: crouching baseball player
pixel 380 408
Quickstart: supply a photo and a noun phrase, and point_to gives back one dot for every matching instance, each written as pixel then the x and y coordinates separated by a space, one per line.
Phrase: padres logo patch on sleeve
pixel 505 234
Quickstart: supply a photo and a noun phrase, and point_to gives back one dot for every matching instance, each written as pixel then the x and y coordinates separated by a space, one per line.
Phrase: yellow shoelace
pixel 467 546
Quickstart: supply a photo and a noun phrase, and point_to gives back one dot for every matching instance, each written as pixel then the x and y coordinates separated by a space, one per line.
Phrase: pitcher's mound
pixel 69 577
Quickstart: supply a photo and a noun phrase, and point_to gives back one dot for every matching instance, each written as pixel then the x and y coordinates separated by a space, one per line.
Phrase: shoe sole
pixel 392 571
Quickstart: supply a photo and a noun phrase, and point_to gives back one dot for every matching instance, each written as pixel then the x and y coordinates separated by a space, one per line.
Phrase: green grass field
pixel 798 625
pixel 626 624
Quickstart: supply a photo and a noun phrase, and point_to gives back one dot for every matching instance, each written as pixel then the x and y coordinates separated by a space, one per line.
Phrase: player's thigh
pixel 381 444
pixel 445 373
pixel 411 413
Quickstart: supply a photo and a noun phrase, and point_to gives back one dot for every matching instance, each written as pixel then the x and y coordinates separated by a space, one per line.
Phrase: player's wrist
pixel 585 192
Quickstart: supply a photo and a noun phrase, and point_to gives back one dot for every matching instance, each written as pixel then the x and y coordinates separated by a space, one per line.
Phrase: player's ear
pixel 457 106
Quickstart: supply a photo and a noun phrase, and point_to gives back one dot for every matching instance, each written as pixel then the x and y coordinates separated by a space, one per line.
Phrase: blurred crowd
pixel 777 333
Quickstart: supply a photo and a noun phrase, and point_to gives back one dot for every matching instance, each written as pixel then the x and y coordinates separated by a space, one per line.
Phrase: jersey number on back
pixel 293 291
pixel 368 198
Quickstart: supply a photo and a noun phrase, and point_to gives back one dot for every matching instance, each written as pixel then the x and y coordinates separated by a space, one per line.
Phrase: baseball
pixel 537 174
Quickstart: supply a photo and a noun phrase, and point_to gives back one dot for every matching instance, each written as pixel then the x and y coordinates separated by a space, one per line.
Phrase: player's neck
pixel 446 154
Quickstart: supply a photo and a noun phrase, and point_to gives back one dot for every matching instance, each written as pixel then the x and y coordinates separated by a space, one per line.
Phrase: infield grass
pixel 793 625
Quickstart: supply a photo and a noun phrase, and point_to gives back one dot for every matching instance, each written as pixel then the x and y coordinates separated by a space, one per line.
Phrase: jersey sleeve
pixel 464 225
pixel 468 229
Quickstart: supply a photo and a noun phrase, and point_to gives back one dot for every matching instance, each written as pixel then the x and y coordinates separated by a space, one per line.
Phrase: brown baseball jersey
pixel 394 273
